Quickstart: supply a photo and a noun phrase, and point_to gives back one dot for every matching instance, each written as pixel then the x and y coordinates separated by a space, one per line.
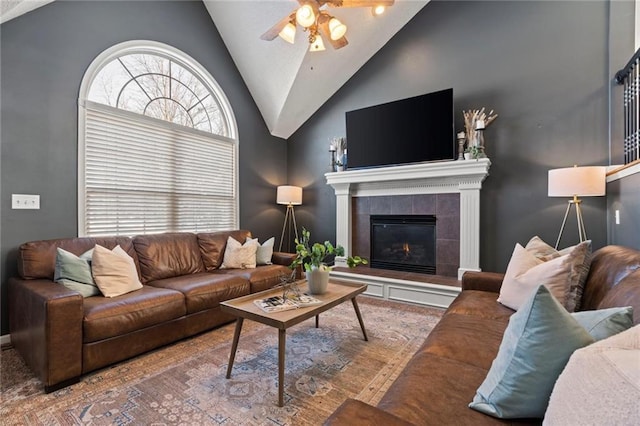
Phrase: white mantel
pixel 463 176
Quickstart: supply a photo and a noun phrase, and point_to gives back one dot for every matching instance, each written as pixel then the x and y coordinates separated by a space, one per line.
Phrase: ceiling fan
pixel 313 17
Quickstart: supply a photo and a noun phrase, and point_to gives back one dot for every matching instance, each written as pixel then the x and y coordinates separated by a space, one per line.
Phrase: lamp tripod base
pixel 581 230
pixel 289 221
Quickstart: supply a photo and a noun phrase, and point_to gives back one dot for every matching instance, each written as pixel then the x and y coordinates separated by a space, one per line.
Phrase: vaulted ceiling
pixel 287 82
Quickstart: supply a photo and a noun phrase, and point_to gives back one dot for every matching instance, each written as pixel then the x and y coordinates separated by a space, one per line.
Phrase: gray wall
pixel 543 66
pixel 44 56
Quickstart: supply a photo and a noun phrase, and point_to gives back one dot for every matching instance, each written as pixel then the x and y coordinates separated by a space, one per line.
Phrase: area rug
pixel 185 383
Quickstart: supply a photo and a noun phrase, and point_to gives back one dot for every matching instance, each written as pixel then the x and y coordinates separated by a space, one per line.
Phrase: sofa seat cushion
pixel 109 317
pixel 205 290
pixel 455 334
pixel 480 304
pixel 434 390
pixel 168 255
pixel 261 278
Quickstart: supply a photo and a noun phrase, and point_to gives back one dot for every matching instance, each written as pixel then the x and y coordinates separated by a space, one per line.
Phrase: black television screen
pixel 406 131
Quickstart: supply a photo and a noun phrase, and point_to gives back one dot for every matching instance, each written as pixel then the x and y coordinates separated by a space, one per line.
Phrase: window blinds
pixel 144 176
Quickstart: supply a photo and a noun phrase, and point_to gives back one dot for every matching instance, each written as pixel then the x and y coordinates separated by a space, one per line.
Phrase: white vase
pixel 468 156
pixel 318 280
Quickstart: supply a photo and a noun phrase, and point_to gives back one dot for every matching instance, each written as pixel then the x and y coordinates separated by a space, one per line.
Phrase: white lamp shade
pixel 288 33
pixel 579 181
pixel 305 16
pixel 317 45
pixel 337 29
pixel 288 194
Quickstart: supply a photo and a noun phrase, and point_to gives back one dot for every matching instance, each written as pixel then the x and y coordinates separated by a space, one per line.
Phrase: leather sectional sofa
pixel 441 379
pixel 62 335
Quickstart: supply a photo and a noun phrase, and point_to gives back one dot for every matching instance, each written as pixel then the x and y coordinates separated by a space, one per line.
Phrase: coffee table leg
pixel 317 321
pixel 282 339
pixel 357 309
pixel 234 346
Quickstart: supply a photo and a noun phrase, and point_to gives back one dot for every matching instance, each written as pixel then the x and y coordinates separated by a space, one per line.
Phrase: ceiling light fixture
pixel 320 23
pixel 378 10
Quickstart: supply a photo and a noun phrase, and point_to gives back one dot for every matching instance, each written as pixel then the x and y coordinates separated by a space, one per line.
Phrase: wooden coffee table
pixel 244 308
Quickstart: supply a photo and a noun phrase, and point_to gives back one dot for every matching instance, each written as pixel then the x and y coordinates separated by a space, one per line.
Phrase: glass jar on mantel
pixel 476 141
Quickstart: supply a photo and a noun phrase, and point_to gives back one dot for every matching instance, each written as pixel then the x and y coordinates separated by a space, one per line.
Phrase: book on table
pixel 279 303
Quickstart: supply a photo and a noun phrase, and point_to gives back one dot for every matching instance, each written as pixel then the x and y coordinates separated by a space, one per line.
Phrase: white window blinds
pixel 143 175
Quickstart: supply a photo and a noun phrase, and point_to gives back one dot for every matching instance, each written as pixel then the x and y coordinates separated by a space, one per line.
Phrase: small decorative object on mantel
pixel 338 151
pixel 461 141
pixel 475 122
pixel 312 257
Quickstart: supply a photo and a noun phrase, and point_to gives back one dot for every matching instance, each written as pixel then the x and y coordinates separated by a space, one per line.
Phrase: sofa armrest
pixel 483 281
pixel 282 258
pixel 45 322
pixel 354 412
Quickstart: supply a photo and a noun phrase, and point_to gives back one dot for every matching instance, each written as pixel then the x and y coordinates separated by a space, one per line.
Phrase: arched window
pixel 157 145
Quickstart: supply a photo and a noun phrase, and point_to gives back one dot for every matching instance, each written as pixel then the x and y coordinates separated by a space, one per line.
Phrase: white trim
pixel 148 46
pixel 637 32
pixel 5 339
pixel 464 177
pixel 627 171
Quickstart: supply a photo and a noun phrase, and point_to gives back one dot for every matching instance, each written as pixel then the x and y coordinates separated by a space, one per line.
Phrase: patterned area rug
pixel 185 383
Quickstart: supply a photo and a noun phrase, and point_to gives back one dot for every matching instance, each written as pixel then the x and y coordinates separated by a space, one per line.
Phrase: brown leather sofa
pixel 62 335
pixel 442 377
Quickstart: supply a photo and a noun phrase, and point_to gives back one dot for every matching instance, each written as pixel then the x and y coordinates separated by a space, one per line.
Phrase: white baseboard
pixel 5 339
pixel 422 293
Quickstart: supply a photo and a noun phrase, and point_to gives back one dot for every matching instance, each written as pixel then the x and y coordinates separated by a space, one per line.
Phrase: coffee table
pixel 244 308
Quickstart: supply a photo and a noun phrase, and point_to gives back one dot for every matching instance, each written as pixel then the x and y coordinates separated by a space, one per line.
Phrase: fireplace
pixel 403 242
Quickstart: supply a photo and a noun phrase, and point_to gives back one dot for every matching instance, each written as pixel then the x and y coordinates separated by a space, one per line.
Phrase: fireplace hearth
pixel 403 242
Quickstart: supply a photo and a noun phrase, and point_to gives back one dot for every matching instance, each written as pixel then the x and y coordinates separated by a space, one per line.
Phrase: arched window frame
pixel 184 60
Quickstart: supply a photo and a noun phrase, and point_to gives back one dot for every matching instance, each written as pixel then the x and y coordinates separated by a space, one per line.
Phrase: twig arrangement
pixel 474 117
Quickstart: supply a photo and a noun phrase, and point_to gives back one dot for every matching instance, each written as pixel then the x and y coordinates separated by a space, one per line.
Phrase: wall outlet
pixel 25 201
pixel 617 217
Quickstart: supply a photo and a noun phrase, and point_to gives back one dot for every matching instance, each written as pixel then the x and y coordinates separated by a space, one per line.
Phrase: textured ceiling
pixel 287 82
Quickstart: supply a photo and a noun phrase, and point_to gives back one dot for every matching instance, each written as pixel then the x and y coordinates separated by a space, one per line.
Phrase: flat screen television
pixel 410 130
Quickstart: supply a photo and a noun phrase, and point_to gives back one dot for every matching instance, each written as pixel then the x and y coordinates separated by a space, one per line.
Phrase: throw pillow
pixel 74 272
pixel 114 271
pixel 563 272
pixel 600 384
pixel 526 272
pixel 603 323
pixel 536 346
pixel 239 256
pixel 580 263
pixel 264 252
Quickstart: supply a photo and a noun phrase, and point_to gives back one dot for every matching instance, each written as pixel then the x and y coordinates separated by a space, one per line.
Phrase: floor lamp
pixel 573 182
pixel 289 196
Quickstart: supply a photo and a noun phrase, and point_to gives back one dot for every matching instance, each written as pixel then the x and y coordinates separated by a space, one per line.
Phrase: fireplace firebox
pixel 404 243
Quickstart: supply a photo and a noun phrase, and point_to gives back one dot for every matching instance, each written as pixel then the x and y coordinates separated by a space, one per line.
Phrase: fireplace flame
pixel 405 249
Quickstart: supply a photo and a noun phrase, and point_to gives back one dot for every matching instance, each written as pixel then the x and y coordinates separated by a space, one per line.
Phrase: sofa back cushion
pixel 167 255
pixel 37 259
pixel 213 244
pixel 614 280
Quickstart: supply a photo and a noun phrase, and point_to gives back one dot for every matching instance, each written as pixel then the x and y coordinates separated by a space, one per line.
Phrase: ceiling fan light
pixel 288 33
pixel 317 45
pixel 337 29
pixel 305 16
pixel 378 10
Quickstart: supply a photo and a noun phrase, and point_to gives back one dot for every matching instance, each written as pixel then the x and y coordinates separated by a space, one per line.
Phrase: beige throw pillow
pixel 580 259
pixel 600 385
pixel 239 256
pixel 114 271
pixel 526 272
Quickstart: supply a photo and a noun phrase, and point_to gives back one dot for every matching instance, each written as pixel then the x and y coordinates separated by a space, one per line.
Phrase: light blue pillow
pixel 603 323
pixel 74 272
pixel 537 344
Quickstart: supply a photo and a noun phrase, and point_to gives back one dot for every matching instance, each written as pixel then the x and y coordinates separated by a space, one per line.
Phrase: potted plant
pixel 313 258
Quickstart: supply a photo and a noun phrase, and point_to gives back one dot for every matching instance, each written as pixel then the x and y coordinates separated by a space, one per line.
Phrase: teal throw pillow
pixel 74 272
pixel 603 323
pixel 537 344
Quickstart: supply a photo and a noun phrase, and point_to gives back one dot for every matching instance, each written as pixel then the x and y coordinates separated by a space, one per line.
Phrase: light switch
pixel 617 217
pixel 25 201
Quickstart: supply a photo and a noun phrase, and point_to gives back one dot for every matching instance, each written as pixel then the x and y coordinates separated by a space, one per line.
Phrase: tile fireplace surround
pixel 460 178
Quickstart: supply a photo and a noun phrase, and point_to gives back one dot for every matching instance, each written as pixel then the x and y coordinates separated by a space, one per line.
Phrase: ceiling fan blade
pixel 275 30
pixel 323 26
pixel 359 3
